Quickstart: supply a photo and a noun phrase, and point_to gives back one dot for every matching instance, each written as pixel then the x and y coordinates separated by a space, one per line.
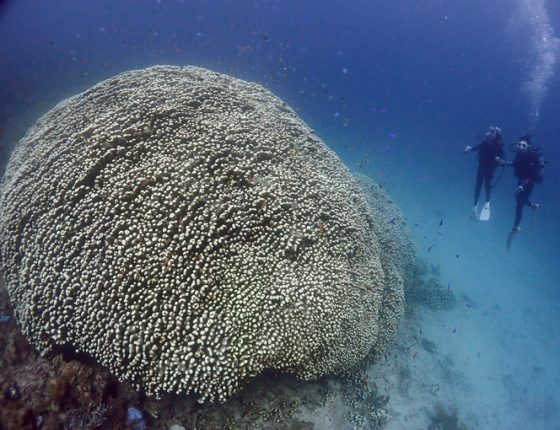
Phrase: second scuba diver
pixel 528 166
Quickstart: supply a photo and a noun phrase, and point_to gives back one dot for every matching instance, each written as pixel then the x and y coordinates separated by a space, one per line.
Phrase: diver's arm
pixel 500 152
pixel 469 148
pixel 522 184
pixel 503 162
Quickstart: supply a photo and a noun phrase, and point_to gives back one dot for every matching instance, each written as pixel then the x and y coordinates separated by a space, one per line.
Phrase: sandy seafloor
pixel 497 359
pixel 493 362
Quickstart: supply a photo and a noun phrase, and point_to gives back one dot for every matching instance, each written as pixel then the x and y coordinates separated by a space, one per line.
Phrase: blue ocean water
pixel 396 88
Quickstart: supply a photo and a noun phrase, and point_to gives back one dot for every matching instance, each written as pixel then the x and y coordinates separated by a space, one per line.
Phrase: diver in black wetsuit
pixel 528 166
pixel 488 149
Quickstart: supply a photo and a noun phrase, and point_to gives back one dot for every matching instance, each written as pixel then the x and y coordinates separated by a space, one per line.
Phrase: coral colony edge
pixel 188 231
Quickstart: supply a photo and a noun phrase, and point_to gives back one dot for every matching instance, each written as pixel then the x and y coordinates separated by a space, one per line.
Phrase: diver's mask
pixel 522 145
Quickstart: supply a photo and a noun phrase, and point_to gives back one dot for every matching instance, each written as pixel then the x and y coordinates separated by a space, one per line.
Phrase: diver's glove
pixel 519 189
pixel 467 149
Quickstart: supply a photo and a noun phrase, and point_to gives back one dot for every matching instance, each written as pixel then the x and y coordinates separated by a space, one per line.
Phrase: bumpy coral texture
pixel 391 230
pixel 188 230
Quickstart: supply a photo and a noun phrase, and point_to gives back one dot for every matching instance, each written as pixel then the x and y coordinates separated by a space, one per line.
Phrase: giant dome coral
pixel 187 230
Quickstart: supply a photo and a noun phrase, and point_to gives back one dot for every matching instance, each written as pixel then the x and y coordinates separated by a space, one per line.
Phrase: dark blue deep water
pixel 397 88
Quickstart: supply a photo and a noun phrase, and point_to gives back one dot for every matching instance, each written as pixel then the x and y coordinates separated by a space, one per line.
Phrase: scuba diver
pixel 528 166
pixel 488 149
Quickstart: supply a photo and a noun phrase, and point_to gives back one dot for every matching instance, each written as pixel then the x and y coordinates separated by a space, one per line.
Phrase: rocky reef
pixel 427 289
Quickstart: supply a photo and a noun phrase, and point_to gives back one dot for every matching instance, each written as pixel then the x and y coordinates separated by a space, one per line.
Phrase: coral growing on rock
pixel 391 228
pixel 445 419
pixel 188 231
pixel 431 294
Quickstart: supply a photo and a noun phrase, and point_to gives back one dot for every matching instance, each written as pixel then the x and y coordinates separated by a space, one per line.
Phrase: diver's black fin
pixel 474 213
pixel 511 235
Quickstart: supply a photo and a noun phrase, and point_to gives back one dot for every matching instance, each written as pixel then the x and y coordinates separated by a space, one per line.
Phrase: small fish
pixel 344 70
pixel 430 248
pixel 4 318
pixel 441 222
pixel 448 286
pixel 456 255
pixel 468 305
pixel 454 330
pixel 392 221
pixel 414 355
pixel 321 227
pixel 250 178
pixel 392 136
pixel 336 114
pixel 367 287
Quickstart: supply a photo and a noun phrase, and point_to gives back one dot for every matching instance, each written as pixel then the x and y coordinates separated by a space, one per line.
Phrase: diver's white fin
pixel 485 212
pixel 474 213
